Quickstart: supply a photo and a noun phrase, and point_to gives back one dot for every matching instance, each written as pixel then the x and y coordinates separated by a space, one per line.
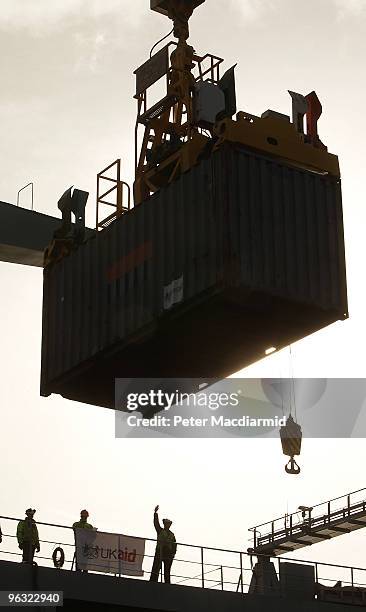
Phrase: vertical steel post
pixel 222 577
pixel 241 571
pixel 119 190
pixel 202 569
pixel 278 574
pixel 97 206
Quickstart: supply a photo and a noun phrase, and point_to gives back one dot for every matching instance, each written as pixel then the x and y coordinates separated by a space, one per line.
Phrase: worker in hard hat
pixel 166 548
pixel 83 523
pixel 27 535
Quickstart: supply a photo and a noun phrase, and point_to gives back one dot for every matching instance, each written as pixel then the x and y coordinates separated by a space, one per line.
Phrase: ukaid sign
pixel 110 553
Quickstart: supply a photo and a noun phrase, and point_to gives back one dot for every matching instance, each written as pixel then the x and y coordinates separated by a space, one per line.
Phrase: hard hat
pixel 30 510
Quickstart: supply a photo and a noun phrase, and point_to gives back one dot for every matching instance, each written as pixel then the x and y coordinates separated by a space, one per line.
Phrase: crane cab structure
pixel 234 243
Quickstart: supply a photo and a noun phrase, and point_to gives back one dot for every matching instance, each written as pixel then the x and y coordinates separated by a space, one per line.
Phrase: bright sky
pixel 67 111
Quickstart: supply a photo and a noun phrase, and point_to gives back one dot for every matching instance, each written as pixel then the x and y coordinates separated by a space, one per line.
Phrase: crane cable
pixel 281 390
pixel 161 40
pixel 292 387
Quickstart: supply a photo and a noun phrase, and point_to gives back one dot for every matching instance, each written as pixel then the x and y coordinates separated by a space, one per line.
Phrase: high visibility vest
pixel 27 532
pixel 82 525
pixel 166 541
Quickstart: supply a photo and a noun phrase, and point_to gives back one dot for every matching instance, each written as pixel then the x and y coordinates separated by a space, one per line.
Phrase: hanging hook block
pixel 291 437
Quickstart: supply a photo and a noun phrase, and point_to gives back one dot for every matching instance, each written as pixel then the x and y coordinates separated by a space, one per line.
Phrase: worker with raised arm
pixel 27 535
pixel 166 548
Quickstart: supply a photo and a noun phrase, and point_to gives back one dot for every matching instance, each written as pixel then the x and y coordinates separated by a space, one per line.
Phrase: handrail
pixel 207 575
pixel 25 187
pixel 313 523
pixel 197 546
pixel 313 519
pixel 328 501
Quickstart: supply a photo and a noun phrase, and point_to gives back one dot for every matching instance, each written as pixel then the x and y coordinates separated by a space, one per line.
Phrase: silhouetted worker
pixel 166 548
pixel 83 523
pixel 27 534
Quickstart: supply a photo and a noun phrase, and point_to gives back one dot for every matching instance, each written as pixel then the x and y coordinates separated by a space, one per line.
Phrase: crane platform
pixel 24 234
pixel 317 524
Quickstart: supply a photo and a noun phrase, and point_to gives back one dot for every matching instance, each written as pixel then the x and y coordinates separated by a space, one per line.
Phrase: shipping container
pixel 238 255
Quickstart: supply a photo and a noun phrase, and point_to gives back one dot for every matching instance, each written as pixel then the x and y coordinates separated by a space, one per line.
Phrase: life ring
pixel 58 561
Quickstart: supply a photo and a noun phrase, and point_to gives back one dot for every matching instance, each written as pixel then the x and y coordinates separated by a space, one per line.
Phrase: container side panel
pixel 321 231
pixel 341 250
pixel 266 220
pixel 310 264
pixel 179 230
pixel 86 310
pixel 150 304
pixel 313 244
pixel 289 231
pixel 231 210
pixel 242 186
pixel 253 247
pixel 333 245
pixel 62 313
pixel 278 229
pixel 60 320
pixel 111 287
pixel 78 313
pixel 190 264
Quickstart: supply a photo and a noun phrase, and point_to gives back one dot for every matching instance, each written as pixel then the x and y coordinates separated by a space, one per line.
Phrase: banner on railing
pixel 110 553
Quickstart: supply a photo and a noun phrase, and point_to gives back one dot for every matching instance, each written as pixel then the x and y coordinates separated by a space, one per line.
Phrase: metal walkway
pixel 311 525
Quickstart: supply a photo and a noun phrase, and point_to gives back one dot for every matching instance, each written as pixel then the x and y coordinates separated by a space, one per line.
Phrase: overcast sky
pixel 66 111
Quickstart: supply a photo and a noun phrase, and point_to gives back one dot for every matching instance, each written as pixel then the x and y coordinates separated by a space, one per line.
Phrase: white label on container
pixel 173 293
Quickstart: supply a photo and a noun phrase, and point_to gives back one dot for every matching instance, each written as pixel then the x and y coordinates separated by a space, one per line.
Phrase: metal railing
pixel 114 191
pixel 31 185
pixel 197 566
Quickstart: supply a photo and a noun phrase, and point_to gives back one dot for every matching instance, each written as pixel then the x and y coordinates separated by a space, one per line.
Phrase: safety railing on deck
pixel 198 566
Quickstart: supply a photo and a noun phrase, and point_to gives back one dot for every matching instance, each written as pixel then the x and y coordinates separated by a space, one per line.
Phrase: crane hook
pixel 291 467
